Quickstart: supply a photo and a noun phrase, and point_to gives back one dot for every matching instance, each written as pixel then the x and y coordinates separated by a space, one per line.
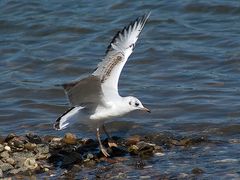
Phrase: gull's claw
pixel 104 151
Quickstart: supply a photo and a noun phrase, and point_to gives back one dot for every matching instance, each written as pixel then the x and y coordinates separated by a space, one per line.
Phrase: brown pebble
pixel 30 146
pixel 133 140
pixel 197 171
pixel 70 138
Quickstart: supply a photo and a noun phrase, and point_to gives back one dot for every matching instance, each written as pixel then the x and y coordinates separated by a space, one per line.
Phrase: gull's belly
pixel 107 113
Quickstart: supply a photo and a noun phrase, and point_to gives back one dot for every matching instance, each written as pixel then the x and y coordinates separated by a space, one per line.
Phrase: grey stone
pixel 4 154
pixel 10 161
pixel 6 167
pixel 16 171
pixel 42 149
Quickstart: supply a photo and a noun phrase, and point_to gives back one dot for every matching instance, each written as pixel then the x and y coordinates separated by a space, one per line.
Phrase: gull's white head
pixel 135 104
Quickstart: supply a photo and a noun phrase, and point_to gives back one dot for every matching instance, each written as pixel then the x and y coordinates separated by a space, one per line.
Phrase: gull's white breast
pixel 115 109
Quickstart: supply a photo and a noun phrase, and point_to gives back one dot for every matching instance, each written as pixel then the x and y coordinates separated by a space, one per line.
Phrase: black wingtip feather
pixel 141 19
pixel 56 125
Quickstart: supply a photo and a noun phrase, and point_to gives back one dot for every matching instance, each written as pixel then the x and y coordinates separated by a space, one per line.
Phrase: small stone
pixel 89 157
pixel 46 169
pixel 197 171
pixel 1 148
pixel 133 140
pixel 7 148
pixel 70 138
pixel 30 146
pixel 10 161
pixel 4 154
pixel 56 139
pixel 133 149
pixel 159 154
pixel 30 163
pixel 1 173
pixel 6 167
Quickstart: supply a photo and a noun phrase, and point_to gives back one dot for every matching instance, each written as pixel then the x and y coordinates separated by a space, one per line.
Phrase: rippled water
pixel 185 68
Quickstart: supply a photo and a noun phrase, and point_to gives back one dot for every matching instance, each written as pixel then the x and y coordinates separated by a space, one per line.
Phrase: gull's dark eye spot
pixel 136 104
pixel 130 103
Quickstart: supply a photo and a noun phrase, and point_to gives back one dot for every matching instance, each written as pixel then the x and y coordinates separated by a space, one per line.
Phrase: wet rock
pixel 4 155
pixel 6 167
pixel 69 138
pixel 32 138
pixel 133 150
pixel 71 159
pixel 197 171
pixel 142 148
pixel 145 148
pixel 158 149
pixel 30 163
pixel 10 136
pixel 42 148
pixel 1 148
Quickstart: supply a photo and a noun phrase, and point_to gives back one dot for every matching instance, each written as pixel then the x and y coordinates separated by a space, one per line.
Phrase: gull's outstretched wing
pixel 85 92
pixel 117 54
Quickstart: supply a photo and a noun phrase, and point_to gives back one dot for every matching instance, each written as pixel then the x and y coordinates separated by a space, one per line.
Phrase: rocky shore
pixel 32 155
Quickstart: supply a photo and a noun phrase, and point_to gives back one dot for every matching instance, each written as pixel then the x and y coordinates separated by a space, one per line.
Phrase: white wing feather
pixel 118 51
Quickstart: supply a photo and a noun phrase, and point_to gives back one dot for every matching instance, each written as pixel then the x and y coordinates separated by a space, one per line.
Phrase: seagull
pixel 96 97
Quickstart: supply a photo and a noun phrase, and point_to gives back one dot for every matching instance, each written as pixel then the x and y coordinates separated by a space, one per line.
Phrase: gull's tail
pixel 69 117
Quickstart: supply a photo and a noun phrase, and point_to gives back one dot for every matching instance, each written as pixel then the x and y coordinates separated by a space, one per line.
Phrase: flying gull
pixel 96 97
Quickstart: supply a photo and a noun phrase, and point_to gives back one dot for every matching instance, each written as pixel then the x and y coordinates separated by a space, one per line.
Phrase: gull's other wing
pixel 117 54
pixel 85 92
